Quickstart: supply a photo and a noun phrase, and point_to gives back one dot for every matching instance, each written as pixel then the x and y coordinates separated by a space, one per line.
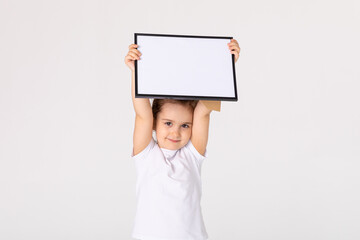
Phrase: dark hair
pixel 159 103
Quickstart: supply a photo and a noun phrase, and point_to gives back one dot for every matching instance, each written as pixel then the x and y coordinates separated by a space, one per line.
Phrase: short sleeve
pixel 196 154
pixel 144 152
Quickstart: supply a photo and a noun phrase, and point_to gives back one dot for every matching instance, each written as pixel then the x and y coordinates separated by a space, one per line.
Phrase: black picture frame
pixel 184 97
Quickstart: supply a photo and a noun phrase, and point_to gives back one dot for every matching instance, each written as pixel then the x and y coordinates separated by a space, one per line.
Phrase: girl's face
pixel 173 126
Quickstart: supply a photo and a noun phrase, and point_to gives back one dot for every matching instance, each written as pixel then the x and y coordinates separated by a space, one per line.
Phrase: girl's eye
pixel 168 123
pixel 185 126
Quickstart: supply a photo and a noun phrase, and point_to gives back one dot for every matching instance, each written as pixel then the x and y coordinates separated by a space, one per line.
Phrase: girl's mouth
pixel 173 140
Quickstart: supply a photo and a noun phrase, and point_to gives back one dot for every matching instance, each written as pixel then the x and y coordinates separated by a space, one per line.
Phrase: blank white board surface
pixel 185 67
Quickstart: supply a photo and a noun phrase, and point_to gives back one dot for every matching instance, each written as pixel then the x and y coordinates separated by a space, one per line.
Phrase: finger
pixel 233 44
pixel 129 58
pixel 236 55
pixel 133 55
pixel 237 48
pixel 234 52
pixel 137 52
pixel 133 46
pixel 233 41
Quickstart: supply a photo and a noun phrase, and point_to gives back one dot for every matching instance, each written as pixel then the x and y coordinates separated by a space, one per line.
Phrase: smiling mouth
pixel 173 140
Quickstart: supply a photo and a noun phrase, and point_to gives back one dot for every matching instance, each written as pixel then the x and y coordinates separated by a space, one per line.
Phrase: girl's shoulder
pixel 146 150
pixel 189 147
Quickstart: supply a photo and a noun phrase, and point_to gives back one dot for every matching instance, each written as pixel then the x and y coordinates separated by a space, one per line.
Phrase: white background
pixel 283 161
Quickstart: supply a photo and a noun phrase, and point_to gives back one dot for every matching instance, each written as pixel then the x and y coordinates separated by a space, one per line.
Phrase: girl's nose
pixel 176 133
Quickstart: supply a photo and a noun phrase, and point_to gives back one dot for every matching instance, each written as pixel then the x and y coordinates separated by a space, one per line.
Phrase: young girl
pixel 168 187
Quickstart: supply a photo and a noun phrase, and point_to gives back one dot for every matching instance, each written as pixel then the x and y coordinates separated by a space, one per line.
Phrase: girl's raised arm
pixel 201 119
pixel 200 128
pixel 144 117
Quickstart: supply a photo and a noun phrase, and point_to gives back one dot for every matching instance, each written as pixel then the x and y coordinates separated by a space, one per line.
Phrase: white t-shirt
pixel 168 192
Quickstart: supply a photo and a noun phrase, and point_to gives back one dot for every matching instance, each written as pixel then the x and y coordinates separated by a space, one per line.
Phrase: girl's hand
pixel 132 55
pixel 234 48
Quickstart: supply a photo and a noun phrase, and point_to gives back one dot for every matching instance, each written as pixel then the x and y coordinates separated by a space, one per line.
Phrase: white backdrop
pixel 283 161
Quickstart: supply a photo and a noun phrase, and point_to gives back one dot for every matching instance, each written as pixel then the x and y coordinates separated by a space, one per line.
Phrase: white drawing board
pixel 185 67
